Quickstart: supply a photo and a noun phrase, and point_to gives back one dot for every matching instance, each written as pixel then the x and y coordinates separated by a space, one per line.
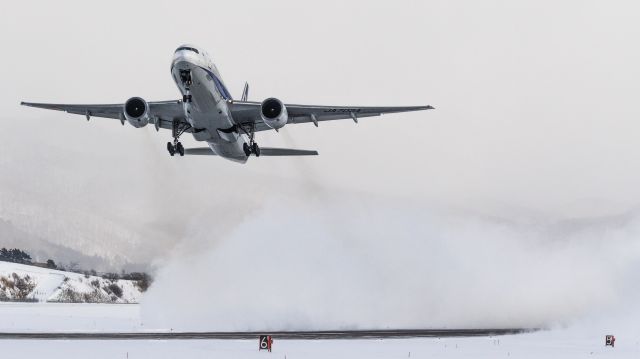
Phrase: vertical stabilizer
pixel 245 92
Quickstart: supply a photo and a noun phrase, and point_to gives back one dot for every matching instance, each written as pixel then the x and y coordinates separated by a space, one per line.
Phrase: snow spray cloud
pixel 349 262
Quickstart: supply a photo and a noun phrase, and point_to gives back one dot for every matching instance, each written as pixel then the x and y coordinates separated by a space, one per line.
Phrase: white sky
pixel 536 120
pixel 536 108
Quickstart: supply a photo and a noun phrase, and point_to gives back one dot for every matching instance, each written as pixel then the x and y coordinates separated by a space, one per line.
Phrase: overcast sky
pixel 536 108
pixel 527 170
pixel 531 97
pixel 536 102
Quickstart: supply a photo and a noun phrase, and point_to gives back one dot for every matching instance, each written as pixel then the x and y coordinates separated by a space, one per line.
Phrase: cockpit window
pixel 188 49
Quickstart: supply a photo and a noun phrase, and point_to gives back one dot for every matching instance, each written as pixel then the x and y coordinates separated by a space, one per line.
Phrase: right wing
pixel 249 111
pixel 164 112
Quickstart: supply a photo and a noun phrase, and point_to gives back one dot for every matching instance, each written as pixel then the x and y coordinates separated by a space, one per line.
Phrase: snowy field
pixel 583 340
pixel 55 285
pixel 537 345
pixel 68 317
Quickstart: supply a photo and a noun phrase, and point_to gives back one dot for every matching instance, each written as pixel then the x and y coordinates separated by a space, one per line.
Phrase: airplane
pixel 208 111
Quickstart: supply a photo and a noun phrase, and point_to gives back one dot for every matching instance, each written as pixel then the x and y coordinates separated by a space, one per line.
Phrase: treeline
pixel 143 280
pixel 15 255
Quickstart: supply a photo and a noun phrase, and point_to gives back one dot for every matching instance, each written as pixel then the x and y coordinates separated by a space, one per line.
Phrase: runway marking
pixel 324 334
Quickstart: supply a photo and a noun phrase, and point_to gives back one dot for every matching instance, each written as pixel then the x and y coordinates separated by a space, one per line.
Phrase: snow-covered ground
pixel 537 345
pixel 52 285
pixel 54 317
pixel 583 340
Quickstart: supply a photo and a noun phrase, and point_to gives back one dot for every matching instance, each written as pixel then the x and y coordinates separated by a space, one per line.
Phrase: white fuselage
pixel 207 112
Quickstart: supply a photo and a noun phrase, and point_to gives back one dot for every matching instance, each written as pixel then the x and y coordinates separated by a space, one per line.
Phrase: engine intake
pixel 274 113
pixel 136 111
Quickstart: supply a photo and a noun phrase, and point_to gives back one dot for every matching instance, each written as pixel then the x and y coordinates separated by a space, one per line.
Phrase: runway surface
pixel 346 334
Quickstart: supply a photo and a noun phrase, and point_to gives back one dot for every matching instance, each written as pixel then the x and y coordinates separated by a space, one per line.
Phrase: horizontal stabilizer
pixel 199 151
pixel 269 151
pixel 264 151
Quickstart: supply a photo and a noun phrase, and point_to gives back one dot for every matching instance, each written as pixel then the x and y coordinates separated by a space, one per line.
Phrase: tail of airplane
pixel 245 92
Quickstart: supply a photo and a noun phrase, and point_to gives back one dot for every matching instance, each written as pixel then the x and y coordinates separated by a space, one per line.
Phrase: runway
pixel 343 334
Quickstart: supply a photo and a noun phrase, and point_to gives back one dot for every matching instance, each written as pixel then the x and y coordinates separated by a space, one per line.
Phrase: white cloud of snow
pixel 334 261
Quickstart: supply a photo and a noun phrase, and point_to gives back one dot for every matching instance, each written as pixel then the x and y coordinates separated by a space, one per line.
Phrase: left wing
pixel 249 111
pixel 164 112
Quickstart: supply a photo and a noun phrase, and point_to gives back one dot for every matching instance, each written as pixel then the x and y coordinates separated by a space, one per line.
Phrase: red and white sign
pixel 266 341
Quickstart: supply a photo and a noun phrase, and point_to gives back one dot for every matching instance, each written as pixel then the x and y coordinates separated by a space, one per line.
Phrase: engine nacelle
pixel 274 113
pixel 136 111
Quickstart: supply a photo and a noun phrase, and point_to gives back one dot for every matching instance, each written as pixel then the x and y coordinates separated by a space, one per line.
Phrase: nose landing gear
pixel 185 77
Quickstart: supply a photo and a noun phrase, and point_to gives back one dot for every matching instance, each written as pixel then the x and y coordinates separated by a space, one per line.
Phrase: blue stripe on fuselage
pixel 219 85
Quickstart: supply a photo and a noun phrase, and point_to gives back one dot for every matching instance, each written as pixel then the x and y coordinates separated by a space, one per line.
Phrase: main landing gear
pixel 178 129
pixel 174 148
pixel 251 147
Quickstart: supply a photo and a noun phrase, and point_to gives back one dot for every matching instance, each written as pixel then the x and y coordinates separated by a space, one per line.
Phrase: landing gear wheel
pixel 177 129
pixel 251 146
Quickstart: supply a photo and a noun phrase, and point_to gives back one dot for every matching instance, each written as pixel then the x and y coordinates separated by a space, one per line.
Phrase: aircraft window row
pixel 188 49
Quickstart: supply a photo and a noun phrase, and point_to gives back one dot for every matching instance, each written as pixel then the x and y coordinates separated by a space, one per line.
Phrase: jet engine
pixel 136 111
pixel 274 113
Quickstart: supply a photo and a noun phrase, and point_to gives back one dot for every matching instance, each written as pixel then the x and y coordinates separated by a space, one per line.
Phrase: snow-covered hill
pixel 20 282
